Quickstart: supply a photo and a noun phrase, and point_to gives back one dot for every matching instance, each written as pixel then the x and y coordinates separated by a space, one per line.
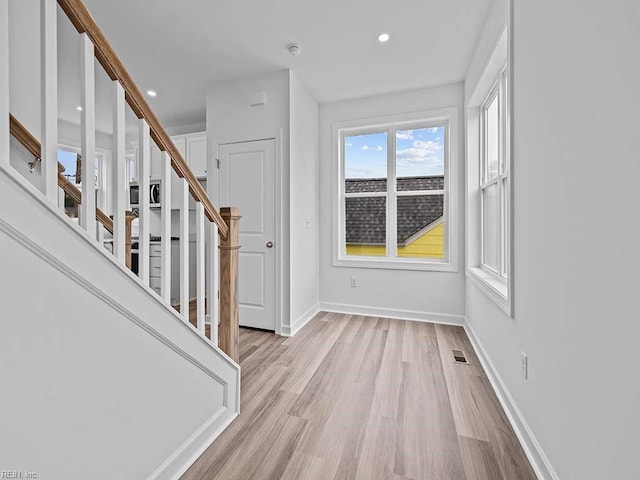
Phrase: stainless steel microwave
pixel 154 194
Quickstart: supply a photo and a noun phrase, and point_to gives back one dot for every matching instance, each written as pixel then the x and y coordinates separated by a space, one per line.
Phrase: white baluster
pixel 200 267
pixel 101 201
pixel 118 161
pixel 144 171
pixel 4 82
pixel 61 198
pixel 213 276
pixel 49 85
pixel 165 228
pixel 88 134
pixel 184 249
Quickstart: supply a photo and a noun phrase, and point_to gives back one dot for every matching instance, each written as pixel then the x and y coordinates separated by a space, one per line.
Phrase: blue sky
pixel 419 152
pixel 68 159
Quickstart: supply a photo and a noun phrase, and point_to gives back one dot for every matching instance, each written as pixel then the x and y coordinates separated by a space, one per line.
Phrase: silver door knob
pixel 269 244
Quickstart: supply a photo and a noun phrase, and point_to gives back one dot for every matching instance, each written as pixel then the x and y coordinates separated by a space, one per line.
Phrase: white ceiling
pixel 178 47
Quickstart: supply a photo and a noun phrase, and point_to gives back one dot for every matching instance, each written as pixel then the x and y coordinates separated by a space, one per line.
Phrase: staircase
pixel 101 376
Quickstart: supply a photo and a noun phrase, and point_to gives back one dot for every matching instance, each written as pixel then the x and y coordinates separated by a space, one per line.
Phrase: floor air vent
pixel 459 357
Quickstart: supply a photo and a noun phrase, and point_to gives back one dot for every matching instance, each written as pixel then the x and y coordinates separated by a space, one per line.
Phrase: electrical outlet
pixel 524 365
pixel 354 281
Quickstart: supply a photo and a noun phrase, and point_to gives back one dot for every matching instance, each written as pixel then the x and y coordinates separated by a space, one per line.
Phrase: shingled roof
pixel 366 216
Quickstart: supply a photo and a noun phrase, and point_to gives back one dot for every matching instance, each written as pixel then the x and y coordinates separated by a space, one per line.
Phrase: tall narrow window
pixel 494 180
pixel 394 190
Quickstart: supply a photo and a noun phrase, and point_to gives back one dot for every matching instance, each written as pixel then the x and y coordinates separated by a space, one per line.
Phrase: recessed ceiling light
pixel 384 37
pixel 151 93
pixel 79 108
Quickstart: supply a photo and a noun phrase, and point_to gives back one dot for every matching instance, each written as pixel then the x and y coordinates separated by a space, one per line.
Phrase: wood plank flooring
pixel 353 397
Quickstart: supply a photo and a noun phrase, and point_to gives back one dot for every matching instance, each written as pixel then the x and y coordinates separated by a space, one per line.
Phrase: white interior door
pixel 247 181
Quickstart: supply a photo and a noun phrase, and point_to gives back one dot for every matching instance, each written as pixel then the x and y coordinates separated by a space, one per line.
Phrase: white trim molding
pixel 194 446
pixel 296 326
pixel 491 286
pixel 539 461
pixel 399 314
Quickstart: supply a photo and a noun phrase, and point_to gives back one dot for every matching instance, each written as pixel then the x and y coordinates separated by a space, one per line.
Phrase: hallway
pixel 362 397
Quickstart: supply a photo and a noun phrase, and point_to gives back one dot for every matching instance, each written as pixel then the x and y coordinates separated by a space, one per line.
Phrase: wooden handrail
pixel 31 143
pixel 84 22
pixel 24 136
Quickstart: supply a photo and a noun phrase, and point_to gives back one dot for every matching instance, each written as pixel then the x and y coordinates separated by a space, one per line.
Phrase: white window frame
pixel 497 284
pixel 447 117
pixel 498 91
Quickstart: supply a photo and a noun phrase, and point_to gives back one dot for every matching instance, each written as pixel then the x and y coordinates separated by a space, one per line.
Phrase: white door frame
pixel 276 136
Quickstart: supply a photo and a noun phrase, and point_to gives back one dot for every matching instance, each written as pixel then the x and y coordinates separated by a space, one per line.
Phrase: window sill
pixel 397 264
pixel 492 286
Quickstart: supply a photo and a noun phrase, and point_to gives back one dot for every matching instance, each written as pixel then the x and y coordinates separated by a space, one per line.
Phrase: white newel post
pixel 4 82
pixel 165 227
pixel 118 174
pixel 200 267
pixel 49 85
pixel 88 135
pixel 144 173
pixel 184 249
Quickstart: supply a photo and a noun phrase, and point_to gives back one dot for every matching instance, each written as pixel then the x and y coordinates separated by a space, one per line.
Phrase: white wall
pixel 230 118
pixel 576 172
pixel 403 293
pixel 305 282
pixel 99 378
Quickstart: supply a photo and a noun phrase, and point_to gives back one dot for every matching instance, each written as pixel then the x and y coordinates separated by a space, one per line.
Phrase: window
pixel 393 194
pixel 488 167
pixel 69 158
pixel 494 180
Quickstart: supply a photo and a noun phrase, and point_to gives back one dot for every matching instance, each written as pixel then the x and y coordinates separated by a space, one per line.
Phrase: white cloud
pixel 428 146
pixel 423 158
pixel 348 144
pixel 433 129
pixel 367 147
pixel 405 135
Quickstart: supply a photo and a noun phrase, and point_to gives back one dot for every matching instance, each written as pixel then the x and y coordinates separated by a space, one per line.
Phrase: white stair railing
pixel 210 281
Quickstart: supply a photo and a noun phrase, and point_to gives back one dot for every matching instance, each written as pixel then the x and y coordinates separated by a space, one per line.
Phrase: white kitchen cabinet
pixel 193 148
pixel 197 154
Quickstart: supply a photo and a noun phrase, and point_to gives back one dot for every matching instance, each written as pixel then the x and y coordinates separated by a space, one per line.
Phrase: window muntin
pixel 494 180
pixel 394 181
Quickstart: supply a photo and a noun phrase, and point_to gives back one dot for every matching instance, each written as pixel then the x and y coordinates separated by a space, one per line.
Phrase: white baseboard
pixel 444 318
pixel 289 331
pixel 539 461
pixel 180 460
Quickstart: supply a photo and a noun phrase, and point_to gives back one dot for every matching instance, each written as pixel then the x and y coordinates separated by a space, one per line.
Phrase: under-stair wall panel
pixel 99 378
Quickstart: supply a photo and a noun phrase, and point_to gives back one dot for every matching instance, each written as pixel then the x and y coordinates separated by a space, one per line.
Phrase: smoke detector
pixel 294 49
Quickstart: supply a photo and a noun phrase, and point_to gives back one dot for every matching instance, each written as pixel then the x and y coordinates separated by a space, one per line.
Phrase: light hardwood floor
pixel 353 397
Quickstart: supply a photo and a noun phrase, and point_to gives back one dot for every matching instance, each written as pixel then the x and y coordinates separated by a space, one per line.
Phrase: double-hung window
pixel 494 180
pixel 394 191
